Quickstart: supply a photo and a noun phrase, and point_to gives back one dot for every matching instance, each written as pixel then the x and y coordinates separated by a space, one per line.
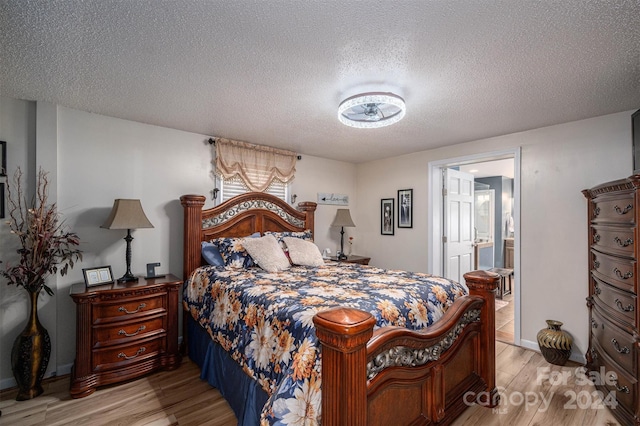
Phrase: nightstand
pixel 362 260
pixel 123 331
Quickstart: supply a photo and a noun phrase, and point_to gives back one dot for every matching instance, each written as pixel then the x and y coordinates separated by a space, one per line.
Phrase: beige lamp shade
pixel 127 214
pixel 343 218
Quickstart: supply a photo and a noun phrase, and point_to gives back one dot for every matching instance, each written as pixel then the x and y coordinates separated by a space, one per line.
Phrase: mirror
pixel 484 214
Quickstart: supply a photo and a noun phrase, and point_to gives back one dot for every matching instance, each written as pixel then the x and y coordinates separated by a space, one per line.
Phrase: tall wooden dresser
pixel 614 250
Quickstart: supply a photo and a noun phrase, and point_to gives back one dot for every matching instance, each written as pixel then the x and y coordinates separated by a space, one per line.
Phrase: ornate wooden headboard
pixel 238 217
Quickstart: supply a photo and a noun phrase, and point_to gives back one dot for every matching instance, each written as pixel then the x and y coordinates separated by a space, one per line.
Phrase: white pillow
pixel 303 252
pixel 266 253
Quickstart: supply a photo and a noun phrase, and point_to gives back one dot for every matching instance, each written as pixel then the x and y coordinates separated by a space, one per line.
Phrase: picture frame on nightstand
pixel 97 276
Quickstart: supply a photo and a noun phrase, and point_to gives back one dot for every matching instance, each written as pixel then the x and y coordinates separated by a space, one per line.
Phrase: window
pixel 229 188
pixel 243 167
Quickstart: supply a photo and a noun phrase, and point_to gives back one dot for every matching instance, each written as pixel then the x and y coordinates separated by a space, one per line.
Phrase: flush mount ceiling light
pixel 371 110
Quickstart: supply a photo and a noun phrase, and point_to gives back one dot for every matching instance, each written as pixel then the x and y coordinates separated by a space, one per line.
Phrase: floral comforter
pixel 264 320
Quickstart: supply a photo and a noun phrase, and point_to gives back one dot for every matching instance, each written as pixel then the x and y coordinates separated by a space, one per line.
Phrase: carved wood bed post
pixel 192 205
pixel 344 333
pixel 308 207
pixel 484 284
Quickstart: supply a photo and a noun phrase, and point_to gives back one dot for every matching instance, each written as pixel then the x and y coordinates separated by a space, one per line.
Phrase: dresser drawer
pixel 118 357
pixel 617 210
pixel 116 334
pixel 617 343
pixel 617 271
pixel 617 382
pixel 620 302
pixel 613 239
pixel 124 310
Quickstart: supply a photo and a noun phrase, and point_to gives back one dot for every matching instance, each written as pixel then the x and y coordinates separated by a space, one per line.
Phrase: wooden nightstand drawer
pixel 352 258
pixel 123 310
pixel 124 355
pixel 120 333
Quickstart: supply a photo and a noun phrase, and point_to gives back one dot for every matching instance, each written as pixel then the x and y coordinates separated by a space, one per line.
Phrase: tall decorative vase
pixel 555 343
pixel 30 354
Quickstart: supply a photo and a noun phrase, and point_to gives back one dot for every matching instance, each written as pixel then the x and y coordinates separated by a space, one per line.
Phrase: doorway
pixel 499 241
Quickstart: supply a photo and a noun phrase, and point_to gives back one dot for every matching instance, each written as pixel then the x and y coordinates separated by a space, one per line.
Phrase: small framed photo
pixel 386 216
pixel 3 158
pixel 97 276
pixel 2 200
pixel 405 208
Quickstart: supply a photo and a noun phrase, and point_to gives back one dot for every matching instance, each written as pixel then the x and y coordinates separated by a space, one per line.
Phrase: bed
pixel 371 372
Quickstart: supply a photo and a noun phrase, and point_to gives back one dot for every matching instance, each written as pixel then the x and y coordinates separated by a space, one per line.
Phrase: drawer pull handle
pixel 123 309
pixel 596 238
pixel 596 264
pixel 596 288
pixel 617 347
pixel 619 274
pixel 625 243
pixel 596 211
pixel 141 350
pixel 594 323
pixel 621 211
pixel 124 333
pixel 629 308
pixel 614 378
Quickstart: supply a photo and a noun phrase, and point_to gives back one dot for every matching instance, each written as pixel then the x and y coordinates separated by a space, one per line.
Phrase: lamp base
pixel 127 278
pixel 342 256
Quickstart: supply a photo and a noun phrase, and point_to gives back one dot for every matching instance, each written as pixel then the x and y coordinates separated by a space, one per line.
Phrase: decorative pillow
pixel 303 252
pixel 211 254
pixel 266 253
pixel 233 252
pixel 305 235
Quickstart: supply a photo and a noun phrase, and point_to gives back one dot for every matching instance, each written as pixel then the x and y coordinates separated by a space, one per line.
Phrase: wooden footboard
pixel 398 376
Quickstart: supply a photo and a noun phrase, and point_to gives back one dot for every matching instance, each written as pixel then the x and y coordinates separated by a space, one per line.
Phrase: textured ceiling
pixel 274 72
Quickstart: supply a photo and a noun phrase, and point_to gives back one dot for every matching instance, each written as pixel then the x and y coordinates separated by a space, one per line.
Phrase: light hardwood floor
pixel 504 321
pixel 180 398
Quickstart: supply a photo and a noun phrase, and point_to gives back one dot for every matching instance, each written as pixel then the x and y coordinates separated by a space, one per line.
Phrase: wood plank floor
pixel 504 321
pixel 180 398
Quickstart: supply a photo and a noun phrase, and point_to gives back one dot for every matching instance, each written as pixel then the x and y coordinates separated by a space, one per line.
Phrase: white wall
pixel 556 164
pixel 100 159
pixel 313 175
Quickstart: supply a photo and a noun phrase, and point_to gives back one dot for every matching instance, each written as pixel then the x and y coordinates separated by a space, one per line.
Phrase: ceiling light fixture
pixel 371 110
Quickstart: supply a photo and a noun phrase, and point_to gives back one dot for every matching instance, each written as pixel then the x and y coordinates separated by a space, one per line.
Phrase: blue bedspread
pixel 264 320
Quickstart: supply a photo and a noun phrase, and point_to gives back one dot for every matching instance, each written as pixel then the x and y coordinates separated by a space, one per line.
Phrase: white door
pixel 458 224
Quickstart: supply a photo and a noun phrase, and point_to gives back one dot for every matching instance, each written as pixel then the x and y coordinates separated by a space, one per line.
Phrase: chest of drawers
pixel 614 250
pixel 123 331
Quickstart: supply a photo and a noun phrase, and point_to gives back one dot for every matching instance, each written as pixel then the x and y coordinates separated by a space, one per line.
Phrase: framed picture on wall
pixel 1 200
pixel 386 216
pixel 405 208
pixel 3 158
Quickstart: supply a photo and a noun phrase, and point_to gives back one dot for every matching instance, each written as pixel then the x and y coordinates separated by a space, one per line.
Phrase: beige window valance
pixel 257 165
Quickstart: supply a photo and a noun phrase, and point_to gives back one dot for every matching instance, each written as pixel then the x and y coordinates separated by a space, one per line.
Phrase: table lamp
pixel 342 219
pixel 127 214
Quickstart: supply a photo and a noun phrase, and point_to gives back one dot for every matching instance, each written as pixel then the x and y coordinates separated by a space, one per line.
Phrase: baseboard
pixel 62 370
pixel 575 355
